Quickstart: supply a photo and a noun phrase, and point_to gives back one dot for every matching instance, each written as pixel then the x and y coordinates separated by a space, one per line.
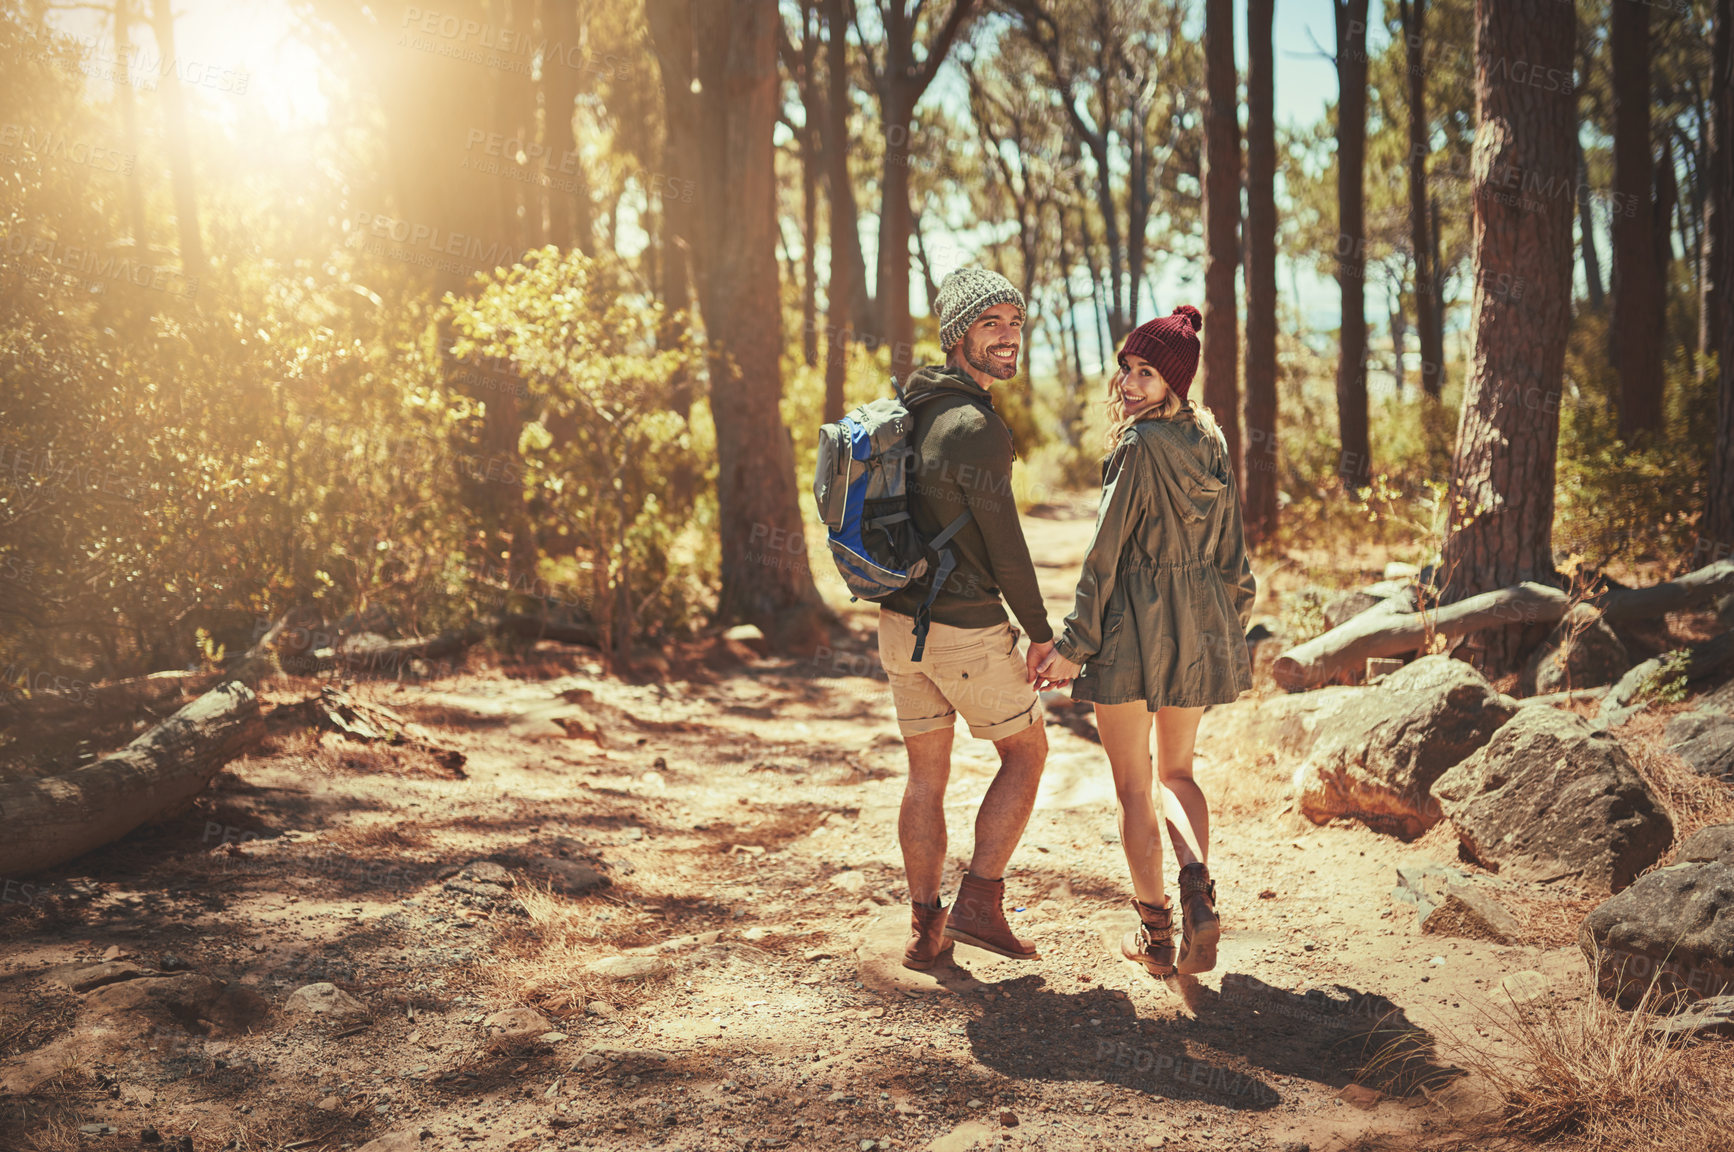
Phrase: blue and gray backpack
pixel 862 489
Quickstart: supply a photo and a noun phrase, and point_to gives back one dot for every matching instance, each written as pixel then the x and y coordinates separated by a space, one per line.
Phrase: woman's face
pixel 1139 385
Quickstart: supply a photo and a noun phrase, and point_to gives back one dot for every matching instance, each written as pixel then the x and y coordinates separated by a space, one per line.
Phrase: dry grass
pixel 51 1134
pixel 1693 800
pixel 542 963
pixel 1585 1075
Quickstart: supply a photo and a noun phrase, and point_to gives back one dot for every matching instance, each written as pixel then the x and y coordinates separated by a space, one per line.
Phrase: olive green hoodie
pixel 964 460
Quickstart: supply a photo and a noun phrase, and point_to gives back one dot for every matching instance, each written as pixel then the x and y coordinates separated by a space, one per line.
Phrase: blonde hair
pixel 1170 407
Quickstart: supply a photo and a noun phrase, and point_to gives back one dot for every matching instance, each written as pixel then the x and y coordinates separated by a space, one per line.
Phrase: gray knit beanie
pixel 965 295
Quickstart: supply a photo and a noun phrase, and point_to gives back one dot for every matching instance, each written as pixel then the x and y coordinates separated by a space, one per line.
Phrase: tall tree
pixel 1636 342
pixel 1586 224
pixel 901 79
pixel 180 149
pixel 765 576
pixel 1717 534
pixel 126 98
pixel 1355 465
pixel 845 239
pixel 1261 404
pixel 1502 476
pixel 1220 357
pixel 1429 314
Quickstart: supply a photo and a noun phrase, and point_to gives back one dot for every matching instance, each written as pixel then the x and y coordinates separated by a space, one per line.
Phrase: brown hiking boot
pixel 1200 928
pixel 978 918
pixel 927 942
pixel 1152 943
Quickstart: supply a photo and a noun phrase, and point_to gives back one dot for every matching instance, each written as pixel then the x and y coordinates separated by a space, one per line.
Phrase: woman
pixel 1158 630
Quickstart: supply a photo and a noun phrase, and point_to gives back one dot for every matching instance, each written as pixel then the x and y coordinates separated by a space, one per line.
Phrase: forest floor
pixel 745 816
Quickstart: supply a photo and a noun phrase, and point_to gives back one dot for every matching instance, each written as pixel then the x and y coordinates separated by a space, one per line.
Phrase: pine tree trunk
pixel 845 237
pixel 180 150
pixel 1716 536
pixel 1428 315
pixel 1220 358
pixel 1502 478
pixel 1259 458
pixel 765 576
pixel 1586 223
pixel 1636 340
pixel 1355 466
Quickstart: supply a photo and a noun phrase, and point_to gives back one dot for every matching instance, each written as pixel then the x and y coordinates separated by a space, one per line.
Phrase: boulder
pixel 1283 727
pixel 1552 798
pixel 322 999
pixel 1378 757
pixel 1345 606
pixel 1704 739
pixel 1674 926
pixel 1582 652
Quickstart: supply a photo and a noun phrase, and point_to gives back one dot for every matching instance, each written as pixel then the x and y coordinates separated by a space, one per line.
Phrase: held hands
pixel 1055 671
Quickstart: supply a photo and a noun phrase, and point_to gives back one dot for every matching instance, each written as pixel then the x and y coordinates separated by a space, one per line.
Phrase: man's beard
pixel 978 359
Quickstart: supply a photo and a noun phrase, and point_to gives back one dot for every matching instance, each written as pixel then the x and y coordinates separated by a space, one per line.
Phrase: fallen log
pixel 105 701
pixel 1383 631
pixel 371 652
pixel 1695 590
pixel 337 711
pixel 52 819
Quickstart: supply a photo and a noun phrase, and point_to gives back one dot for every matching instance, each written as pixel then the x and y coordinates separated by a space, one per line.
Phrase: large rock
pixel 1552 798
pixel 1704 739
pixel 1378 757
pixel 1582 652
pixel 1281 727
pixel 1447 903
pixel 1674 926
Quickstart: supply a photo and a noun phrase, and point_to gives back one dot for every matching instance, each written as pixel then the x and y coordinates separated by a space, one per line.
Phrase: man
pixel 970 662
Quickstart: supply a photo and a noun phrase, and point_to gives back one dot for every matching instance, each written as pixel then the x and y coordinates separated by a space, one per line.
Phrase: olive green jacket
pixel 1166 590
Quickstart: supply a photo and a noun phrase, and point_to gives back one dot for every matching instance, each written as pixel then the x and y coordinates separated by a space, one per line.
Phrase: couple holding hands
pixel 1156 633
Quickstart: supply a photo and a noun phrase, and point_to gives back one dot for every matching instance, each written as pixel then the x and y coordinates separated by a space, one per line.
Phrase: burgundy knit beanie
pixel 1170 345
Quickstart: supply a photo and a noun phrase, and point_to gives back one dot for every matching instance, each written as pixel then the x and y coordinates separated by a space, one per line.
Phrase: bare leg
pixel 1125 730
pixel 921 823
pixel 1005 810
pixel 1188 813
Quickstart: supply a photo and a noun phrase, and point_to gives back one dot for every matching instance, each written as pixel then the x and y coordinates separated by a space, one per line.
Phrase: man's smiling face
pixel 994 341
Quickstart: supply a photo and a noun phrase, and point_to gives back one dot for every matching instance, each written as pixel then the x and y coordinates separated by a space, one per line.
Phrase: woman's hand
pixel 1056 672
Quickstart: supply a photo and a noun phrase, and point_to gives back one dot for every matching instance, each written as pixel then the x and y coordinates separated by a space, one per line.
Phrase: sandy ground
pixel 745 819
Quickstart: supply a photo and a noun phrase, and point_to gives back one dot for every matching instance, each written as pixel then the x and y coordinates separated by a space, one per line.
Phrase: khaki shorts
pixel 975 671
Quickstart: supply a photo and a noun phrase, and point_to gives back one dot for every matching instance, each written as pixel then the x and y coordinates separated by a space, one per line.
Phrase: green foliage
pixel 611 467
pixel 1667 683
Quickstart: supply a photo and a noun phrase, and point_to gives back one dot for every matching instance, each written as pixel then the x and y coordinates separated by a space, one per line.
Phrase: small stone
pixel 114 952
pixel 514 1027
pixel 1362 1097
pixel 854 883
pixel 626 967
pixel 486 872
pixel 150 1136
pixel 1523 987
pixel 755 934
pixel 96 1129
pixel 172 962
pixel 1008 1118
pixel 973 1104
pixel 322 999
pixel 600 1008
pixel 330 1104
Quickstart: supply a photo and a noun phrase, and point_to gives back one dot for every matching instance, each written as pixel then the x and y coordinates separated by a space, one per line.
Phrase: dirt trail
pixel 746 820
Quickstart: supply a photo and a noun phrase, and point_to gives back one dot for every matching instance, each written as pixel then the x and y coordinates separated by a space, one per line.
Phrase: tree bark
pixel 765 576
pixel 1636 341
pixel 1259 457
pixel 1502 475
pixel 840 197
pixel 53 819
pixel 180 150
pixel 1220 356
pixel 1586 223
pixel 1428 315
pixel 1355 466
pixel 1716 537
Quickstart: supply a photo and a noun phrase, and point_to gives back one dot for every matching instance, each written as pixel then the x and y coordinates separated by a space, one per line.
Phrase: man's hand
pixel 1056 670
pixel 1033 660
